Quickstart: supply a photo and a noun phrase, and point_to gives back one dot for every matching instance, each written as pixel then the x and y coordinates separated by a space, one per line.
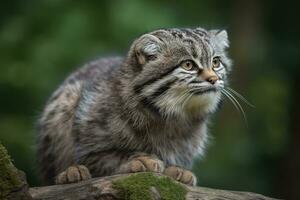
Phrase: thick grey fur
pixel 113 108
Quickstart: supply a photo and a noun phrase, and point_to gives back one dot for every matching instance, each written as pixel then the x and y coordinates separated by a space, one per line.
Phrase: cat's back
pixel 101 68
pixel 55 141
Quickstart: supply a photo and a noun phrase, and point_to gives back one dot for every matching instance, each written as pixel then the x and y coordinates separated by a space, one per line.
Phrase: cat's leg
pixel 109 163
pixel 141 162
pixel 73 174
pixel 181 175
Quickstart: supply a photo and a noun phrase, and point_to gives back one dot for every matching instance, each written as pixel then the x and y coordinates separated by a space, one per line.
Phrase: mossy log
pixel 137 186
pixel 13 183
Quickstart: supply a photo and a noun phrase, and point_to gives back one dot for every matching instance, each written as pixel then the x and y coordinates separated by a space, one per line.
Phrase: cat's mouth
pixel 206 90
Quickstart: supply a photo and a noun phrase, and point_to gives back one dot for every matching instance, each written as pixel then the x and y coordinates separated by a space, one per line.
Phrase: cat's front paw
pixel 143 163
pixel 181 175
pixel 146 163
pixel 73 174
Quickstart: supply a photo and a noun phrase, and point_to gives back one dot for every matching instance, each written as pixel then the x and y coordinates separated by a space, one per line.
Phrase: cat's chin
pixel 199 104
pixel 206 102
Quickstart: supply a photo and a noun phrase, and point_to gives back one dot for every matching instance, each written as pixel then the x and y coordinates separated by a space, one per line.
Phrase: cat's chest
pixel 174 145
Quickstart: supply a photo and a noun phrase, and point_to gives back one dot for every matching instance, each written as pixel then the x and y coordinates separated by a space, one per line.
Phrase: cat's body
pixel 113 109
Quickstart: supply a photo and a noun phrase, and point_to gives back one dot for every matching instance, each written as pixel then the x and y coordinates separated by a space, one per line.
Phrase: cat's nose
pixel 212 79
pixel 209 75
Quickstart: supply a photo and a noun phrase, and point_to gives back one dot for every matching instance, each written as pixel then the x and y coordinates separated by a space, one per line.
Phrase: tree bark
pixel 101 188
pixel 13 185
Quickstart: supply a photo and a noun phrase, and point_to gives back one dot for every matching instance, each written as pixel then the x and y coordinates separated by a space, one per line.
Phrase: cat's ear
pixel 147 48
pixel 220 38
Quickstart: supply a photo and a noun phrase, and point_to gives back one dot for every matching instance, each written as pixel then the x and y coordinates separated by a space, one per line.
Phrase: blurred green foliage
pixel 41 42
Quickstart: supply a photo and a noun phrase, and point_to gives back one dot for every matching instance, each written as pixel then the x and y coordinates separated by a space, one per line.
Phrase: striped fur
pixel 113 108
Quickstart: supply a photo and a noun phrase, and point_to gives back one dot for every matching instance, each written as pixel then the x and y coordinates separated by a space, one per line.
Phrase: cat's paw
pixel 181 175
pixel 146 164
pixel 73 174
pixel 143 163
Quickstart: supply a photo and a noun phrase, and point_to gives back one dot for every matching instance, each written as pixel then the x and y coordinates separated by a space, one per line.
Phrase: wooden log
pixel 103 188
pixel 13 183
pixel 135 186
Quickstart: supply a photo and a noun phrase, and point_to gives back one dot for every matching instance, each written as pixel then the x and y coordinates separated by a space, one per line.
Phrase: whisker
pixel 233 102
pixel 237 104
pixel 187 98
pixel 240 96
pixel 182 97
pixel 178 100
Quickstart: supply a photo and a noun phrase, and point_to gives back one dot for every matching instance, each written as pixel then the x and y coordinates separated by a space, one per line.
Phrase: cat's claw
pixel 181 175
pixel 73 174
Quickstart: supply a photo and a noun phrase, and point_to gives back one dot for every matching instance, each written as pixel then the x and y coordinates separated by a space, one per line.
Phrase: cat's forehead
pixel 196 41
pixel 183 35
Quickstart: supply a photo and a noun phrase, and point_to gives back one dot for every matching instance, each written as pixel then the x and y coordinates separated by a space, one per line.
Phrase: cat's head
pixel 175 71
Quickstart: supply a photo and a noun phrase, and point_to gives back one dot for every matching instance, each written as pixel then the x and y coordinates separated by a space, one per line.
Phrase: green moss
pixel 137 187
pixel 8 173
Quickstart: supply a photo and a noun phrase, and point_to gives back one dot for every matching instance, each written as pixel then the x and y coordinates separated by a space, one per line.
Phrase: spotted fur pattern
pixel 113 108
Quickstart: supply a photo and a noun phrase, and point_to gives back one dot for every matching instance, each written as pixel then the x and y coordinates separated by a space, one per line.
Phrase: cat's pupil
pixel 215 62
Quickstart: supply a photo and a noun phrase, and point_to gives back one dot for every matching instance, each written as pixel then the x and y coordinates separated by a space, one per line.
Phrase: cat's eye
pixel 216 62
pixel 188 65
